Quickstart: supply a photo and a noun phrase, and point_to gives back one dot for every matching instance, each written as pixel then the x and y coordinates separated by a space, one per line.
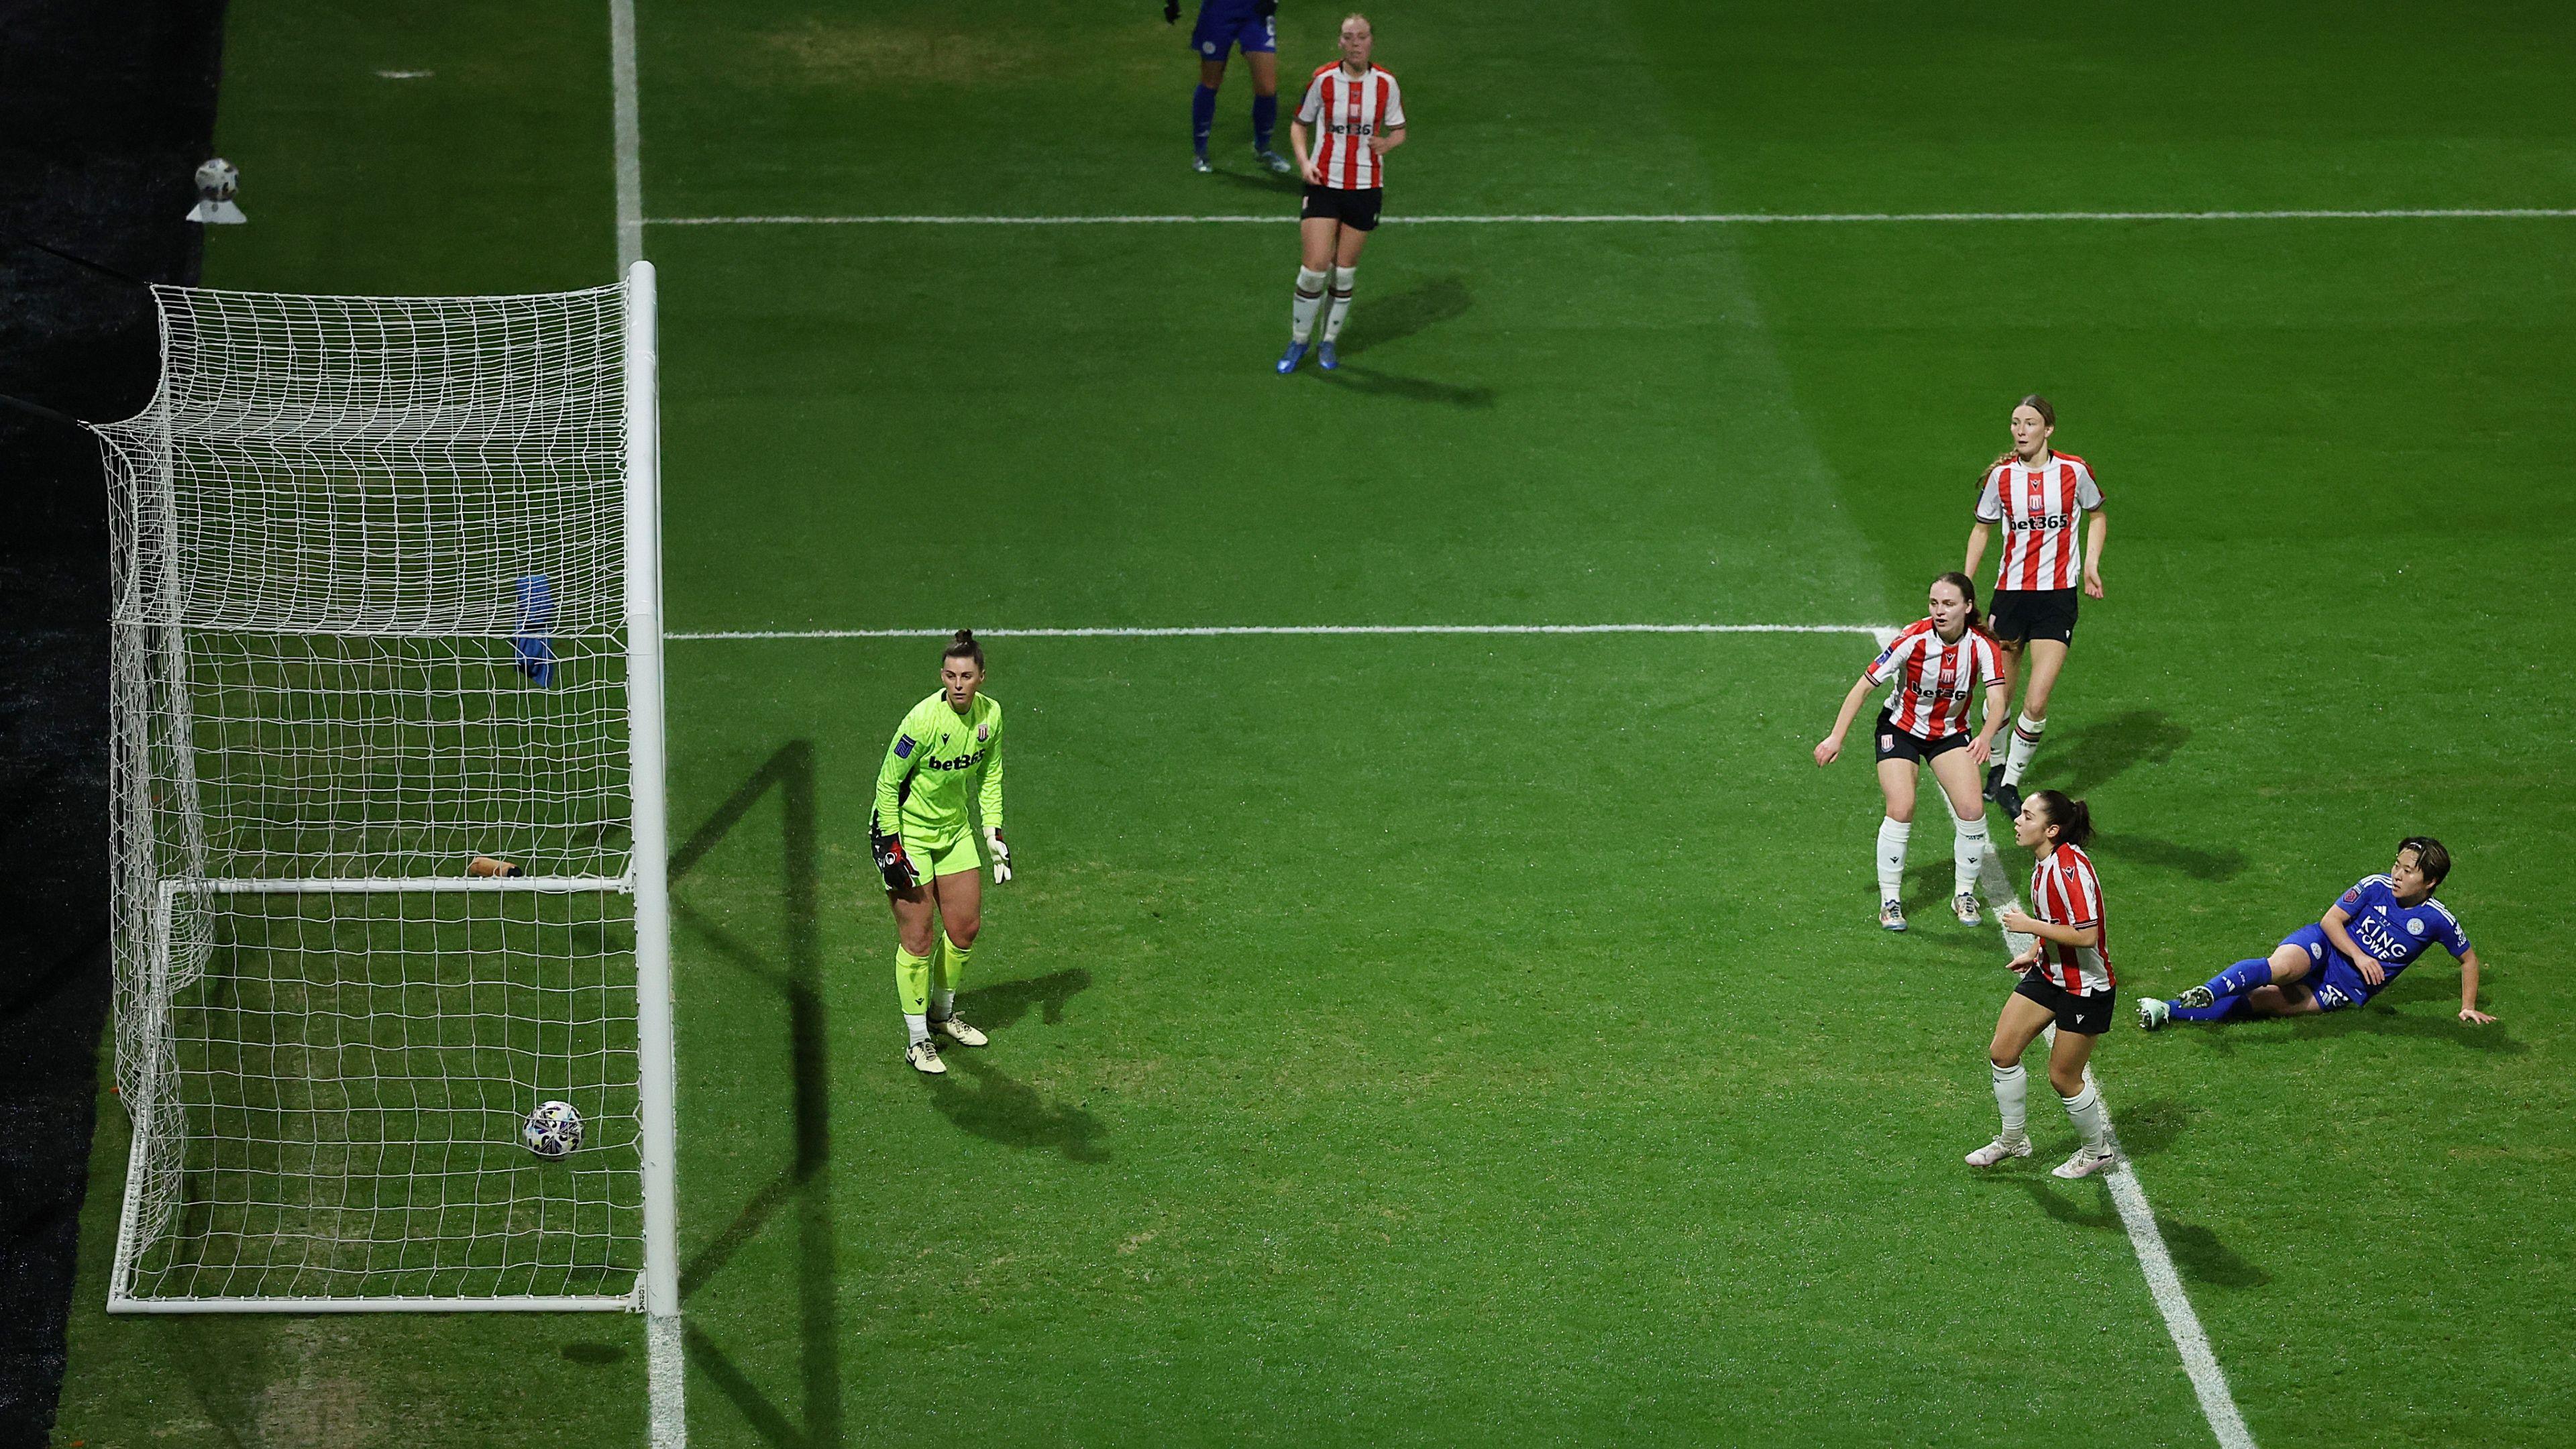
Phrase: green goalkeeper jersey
pixel 937 756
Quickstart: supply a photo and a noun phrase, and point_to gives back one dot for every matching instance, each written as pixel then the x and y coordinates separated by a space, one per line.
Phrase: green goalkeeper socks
pixel 952 970
pixel 912 981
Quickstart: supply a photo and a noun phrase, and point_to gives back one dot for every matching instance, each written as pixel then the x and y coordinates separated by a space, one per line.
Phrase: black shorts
pixel 2024 614
pixel 1354 209
pixel 1896 744
pixel 2082 1015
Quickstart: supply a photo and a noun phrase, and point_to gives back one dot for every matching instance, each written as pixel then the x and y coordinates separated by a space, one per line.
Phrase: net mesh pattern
pixel 369 624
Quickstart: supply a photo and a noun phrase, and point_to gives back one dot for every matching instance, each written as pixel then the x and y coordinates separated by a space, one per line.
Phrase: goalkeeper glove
pixel 1171 12
pixel 892 863
pixel 1001 855
pixel 1264 9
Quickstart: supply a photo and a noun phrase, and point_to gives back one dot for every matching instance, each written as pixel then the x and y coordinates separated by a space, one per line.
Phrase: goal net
pixel 387 601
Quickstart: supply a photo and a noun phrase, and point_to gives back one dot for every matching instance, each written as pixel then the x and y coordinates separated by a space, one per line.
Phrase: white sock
pixel 1967 854
pixel 1342 280
pixel 1310 300
pixel 1892 835
pixel 2012 1095
pixel 2084 1109
pixel 919 1026
pixel 2025 740
pixel 943 1005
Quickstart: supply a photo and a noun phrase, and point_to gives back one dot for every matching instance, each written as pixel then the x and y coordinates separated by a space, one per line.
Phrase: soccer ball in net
pixel 553 1130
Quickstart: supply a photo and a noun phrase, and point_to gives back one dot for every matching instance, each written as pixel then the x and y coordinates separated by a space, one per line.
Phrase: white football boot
pixel 2153 1013
pixel 1999 1149
pixel 956 1029
pixel 924 1057
pixel 2086 1162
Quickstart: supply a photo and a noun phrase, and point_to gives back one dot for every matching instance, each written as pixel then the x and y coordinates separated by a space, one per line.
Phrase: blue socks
pixel 2215 1011
pixel 1202 116
pixel 2242 977
pixel 1265 119
pixel 2229 987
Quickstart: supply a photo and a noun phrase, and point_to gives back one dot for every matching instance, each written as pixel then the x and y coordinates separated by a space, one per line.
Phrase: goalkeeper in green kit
pixel 948 744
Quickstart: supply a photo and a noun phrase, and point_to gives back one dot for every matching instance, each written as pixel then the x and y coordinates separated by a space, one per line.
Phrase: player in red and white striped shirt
pixel 1356 114
pixel 1938 664
pixel 2066 983
pixel 2036 496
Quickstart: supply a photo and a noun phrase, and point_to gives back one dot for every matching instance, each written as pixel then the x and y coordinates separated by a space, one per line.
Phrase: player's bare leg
pixel 1896 781
pixel 2047 657
pixel 961 919
pixel 2010 651
pixel 1264 65
pixel 1968 840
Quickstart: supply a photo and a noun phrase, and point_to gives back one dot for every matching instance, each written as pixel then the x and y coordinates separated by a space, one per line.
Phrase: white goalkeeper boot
pixel 956 1029
pixel 924 1056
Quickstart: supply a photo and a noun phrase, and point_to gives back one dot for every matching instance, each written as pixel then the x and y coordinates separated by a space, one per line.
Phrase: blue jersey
pixel 2396 934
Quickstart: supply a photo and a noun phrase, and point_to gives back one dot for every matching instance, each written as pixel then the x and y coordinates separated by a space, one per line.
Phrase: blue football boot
pixel 1289 359
pixel 1326 357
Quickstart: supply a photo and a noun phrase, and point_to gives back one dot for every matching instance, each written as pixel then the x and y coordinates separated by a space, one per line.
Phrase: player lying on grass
pixel 1938 663
pixel 2066 982
pixel 2369 935
pixel 925 847
pixel 1224 25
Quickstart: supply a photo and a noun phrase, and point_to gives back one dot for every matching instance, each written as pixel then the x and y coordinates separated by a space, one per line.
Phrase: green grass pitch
pixel 1450 1040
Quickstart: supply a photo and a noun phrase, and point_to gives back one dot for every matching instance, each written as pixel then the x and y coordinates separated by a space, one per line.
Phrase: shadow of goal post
pixel 388 598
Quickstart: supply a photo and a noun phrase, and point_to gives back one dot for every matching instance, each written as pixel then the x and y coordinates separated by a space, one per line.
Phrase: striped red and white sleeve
pixel 1901 651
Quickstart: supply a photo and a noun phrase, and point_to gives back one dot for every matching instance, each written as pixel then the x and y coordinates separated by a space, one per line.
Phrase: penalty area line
pixel 1709 218
pixel 1880 633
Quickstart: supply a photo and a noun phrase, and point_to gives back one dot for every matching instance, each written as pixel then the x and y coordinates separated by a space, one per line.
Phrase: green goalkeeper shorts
pixel 952 857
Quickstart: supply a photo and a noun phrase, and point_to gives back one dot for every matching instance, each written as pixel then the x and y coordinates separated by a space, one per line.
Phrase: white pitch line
pixel 2199 1360
pixel 629 134
pixel 1715 218
pixel 1880 633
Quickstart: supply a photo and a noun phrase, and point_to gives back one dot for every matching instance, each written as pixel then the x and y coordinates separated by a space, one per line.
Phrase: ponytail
pixel 1967 588
pixel 2073 820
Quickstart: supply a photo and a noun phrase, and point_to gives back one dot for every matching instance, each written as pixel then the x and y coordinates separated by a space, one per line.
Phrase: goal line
pixel 1708 218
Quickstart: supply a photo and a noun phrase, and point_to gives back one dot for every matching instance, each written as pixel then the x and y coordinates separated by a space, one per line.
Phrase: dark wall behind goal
pixel 106 107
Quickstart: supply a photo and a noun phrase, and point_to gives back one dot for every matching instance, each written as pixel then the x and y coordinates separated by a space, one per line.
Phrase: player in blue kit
pixel 2370 934
pixel 1224 26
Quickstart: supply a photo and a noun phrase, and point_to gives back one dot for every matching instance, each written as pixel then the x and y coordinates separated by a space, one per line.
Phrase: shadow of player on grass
pixel 2090 756
pixel 1369 382
pixel 1392 319
pixel 985 1102
pixel 2197 1252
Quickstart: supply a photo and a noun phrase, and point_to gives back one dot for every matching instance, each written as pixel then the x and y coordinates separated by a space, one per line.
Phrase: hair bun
pixel 965 636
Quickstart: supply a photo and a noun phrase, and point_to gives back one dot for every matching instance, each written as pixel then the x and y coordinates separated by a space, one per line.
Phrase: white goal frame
pixel 145 984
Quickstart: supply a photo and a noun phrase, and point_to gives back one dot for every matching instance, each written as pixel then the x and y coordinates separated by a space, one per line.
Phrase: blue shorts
pixel 2331 975
pixel 1223 25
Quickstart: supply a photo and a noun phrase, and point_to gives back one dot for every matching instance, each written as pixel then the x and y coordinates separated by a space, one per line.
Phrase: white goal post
pixel 387 599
